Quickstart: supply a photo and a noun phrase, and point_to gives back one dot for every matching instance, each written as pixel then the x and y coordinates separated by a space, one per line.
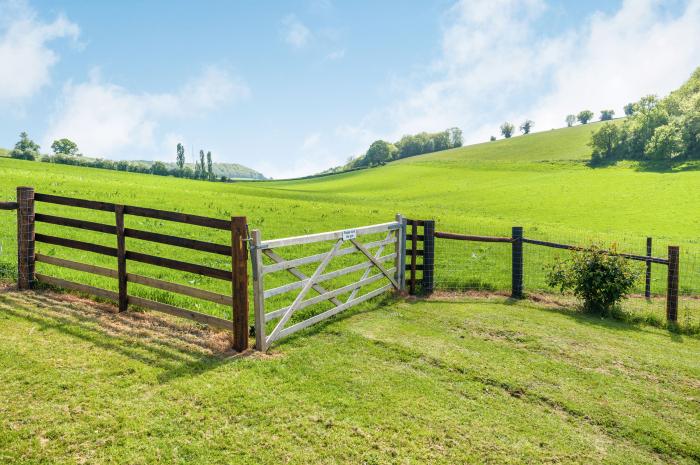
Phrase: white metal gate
pixel 394 277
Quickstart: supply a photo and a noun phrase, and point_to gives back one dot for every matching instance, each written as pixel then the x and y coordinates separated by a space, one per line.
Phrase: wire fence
pixel 479 267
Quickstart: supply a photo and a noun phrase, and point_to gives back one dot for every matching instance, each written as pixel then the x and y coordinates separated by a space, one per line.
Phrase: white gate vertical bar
pixel 258 292
pixel 401 252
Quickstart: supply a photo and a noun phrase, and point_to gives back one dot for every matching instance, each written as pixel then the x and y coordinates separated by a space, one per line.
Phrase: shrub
pixel 599 279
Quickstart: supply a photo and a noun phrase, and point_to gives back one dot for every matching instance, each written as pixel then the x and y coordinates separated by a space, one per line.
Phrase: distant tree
pixel 493 138
pixel 200 168
pixel 507 129
pixel 180 160
pixel 585 116
pixel 122 165
pixel 630 108
pixel 606 115
pixel 210 167
pixel 25 148
pixel 379 152
pixel 570 120
pixel 666 143
pixel 65 147
pixel 456 139
pixel 441 141
pixel 158 168
pixel 647 103
pixel 526 127
pixel 604 142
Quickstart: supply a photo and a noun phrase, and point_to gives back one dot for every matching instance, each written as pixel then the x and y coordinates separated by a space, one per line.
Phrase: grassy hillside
pixel 436 382
pixel 539 181
pixel 230 170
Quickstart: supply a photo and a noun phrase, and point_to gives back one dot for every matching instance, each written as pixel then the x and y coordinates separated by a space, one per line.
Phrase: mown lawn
pixel 468 381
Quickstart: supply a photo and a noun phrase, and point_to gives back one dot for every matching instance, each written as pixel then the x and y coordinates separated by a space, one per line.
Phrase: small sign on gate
pixel 349 234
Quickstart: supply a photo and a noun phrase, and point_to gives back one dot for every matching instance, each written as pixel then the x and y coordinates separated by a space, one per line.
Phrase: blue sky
pixel 291 88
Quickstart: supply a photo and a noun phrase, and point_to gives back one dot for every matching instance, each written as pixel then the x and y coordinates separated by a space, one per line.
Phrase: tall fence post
pixel 400 252
pixel 672 285
pixel 121 258
pixel 258 291
pixel 239 282
pixel 517 262
pixel 25 238
pixel 414 246
pixel 428 256
pixel 647 279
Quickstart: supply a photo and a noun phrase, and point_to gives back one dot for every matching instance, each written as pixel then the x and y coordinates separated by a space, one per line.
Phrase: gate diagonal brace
pixel 376 263
pixel 300 275
pixel 369 270
pixel 305 290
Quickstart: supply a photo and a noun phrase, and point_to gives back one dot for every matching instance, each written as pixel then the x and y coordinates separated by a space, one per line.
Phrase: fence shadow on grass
pixel 177 349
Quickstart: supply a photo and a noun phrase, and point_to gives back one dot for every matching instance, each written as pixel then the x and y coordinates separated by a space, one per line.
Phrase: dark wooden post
pixel 414 246
pixel 672 286
pixel 121 258
pixel 517 260
pixel 25 238
pixel 428 256
pixel 647 280
pixel 239 282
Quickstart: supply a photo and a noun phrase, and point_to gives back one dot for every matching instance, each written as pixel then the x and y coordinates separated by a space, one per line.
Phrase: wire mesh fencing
pixel 491 261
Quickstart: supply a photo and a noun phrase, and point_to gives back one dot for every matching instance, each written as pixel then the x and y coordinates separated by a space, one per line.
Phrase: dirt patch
pixel 140 325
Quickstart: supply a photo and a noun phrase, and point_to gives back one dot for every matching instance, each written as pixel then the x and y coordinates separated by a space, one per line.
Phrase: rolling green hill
pixel 540 181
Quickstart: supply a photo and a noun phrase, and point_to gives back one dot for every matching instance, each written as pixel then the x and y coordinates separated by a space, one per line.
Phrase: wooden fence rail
pixel 237 250
pixel 517 240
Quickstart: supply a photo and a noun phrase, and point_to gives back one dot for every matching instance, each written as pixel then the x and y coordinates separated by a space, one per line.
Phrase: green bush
pixel 598 278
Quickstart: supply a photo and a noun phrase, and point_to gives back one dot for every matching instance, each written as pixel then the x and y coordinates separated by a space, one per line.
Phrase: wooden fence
pixel 420 232
pixel 237 276
pixel 516 240
pixel 394 276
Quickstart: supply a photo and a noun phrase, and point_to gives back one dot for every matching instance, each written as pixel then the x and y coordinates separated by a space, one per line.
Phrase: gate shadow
pixel 176 348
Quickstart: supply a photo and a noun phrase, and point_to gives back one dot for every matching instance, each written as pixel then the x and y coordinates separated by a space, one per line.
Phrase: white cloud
pixel 294 32
pixel 494 67
pixel 25 56
pixel 107 120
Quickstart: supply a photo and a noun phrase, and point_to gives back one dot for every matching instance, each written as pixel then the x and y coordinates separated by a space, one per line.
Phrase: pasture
pixel 540 181
pixel 484 381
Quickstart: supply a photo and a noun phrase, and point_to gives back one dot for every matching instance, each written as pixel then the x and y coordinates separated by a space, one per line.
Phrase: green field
pixel 445 382
pixel 540 181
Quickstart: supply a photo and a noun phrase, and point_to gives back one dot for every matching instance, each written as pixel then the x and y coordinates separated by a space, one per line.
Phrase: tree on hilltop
pixel 507 129
pixel 606 115
pixel 180 159
pixel 585 116
pixel 65 147
pixel 527 125
pixel 25 148
pixel 570 120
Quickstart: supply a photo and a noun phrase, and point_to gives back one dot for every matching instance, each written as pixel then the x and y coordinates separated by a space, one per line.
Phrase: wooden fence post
pixel 239 282
pixel 121 258
pixel 428 256
pixel 647 280
pixel 258 292
pixel 414 246
pixel 672 285
pixel 25 238
pixel 517 262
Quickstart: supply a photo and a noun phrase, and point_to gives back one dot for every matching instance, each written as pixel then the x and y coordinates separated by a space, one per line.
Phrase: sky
pixel 292 88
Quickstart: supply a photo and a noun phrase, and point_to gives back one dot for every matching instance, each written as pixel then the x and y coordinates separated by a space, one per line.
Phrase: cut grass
pixel 470 381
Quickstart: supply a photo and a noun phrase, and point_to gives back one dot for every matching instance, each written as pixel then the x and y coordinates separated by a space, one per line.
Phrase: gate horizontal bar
pixel 325 277
pixel 467 237
pixel 318 257
pixel 328 295
pixel 178 241
pixel 328 236
pixel 329 313
pixel 74 223
pixel 178 265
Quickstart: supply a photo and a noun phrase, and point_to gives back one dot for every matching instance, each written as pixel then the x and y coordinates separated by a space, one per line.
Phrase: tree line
pixel 655 130
pixel 381 151
pixel 66 152
pixel 584 116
